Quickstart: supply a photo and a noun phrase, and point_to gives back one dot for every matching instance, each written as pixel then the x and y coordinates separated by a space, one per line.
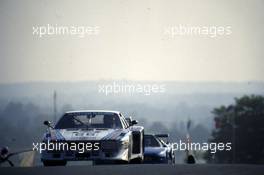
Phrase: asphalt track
pixel 198 169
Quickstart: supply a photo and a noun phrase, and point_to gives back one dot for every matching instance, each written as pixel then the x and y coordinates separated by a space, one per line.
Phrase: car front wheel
pixel 138 160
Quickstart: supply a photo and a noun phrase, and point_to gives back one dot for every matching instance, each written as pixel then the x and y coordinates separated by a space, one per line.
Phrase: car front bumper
pixel 121 154
pixel 155 159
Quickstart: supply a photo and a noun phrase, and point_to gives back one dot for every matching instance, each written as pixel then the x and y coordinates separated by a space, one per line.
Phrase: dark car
pixel 157 150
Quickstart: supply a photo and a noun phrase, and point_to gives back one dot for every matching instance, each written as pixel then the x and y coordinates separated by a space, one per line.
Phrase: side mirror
pixel 48 124
pixel 134 122
pixel 129 120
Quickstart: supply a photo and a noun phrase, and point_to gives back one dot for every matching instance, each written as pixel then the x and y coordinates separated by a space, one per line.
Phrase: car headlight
pixel 162 153
pixel 125 143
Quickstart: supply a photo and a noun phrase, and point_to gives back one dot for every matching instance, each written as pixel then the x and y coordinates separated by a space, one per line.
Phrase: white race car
pixel 97 135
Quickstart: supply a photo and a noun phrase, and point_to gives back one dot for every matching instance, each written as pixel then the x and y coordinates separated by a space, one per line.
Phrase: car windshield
pixel 89 120
pixel 151 141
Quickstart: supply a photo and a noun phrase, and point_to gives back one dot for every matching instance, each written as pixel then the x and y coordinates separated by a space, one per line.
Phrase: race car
pixel 97 135
pixel 157 151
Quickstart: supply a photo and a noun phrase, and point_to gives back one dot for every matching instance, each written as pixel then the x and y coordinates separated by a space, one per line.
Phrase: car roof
pixel 91 111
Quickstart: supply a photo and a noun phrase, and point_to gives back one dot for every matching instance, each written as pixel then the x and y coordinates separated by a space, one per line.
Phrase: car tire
pixel 190 159
pixel 138 160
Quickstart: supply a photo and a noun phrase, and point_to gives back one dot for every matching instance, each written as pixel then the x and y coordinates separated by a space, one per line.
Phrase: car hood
pixel 153 150
pixel 90 134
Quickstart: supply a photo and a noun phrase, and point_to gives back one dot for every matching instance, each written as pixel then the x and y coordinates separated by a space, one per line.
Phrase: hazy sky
pixel 131 43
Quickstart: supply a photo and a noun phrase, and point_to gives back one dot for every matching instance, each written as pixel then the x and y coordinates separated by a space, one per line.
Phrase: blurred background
pixel 216 83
